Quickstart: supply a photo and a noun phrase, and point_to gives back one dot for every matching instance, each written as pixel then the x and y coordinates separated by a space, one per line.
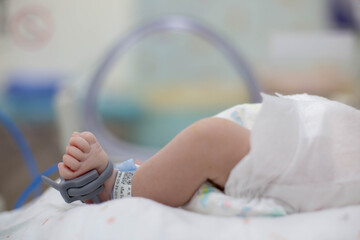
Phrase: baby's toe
pixel 75 153
pixel 89 137
pixel 71 162
pixel 80 143
pixel 65 172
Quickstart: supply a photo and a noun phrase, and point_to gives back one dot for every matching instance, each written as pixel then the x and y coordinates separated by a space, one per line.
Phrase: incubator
pixel 77 110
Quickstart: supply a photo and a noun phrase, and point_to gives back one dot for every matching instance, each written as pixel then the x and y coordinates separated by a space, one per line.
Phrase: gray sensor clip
pixel 85 187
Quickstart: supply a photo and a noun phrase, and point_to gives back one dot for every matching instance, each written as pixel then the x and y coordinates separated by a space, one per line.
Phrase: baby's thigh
pixel 226 143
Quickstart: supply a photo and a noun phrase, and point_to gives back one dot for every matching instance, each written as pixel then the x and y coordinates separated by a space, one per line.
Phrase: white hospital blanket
pixel 49 217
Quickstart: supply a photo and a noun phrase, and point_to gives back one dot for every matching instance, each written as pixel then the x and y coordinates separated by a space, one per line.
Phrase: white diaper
pixel 304 154
pixel 244 114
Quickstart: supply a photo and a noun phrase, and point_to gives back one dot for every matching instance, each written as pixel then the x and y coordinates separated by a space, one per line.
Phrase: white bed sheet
pixel 49 217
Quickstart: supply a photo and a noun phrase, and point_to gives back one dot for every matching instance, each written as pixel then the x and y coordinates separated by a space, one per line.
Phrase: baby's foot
pixel 83 154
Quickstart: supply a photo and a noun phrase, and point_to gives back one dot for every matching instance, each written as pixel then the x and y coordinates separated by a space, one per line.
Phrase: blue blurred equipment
pixel 29 95
pixel 343 14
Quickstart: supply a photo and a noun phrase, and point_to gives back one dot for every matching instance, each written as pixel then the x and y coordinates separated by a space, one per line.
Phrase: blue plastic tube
pixel 33 185
pixel 24 148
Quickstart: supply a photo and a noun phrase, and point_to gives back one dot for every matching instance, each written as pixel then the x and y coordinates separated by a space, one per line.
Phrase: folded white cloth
pixel 210 200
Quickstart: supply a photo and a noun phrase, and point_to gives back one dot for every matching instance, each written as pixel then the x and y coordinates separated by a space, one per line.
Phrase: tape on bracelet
pixel 84 187
pixel 122 186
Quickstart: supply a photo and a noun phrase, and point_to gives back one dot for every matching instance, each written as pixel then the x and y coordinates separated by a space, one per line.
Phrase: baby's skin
pixel 83 154
pixel 205 151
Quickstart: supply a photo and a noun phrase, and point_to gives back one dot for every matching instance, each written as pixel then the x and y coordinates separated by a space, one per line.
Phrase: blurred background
pixel 50 50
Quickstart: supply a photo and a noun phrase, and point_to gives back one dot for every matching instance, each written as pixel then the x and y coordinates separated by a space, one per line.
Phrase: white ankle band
pixel 122 186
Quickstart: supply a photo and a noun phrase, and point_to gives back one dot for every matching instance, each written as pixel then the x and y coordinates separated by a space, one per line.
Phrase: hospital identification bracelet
pixel 122 185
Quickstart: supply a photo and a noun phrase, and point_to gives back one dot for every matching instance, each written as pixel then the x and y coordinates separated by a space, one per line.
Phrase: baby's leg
pixel 207 150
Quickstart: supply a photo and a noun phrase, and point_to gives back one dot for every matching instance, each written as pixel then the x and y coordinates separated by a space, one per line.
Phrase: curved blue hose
pixel 34 184
pixel 24 148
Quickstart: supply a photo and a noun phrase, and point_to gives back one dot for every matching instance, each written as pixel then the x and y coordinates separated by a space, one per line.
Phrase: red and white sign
pixel 32 27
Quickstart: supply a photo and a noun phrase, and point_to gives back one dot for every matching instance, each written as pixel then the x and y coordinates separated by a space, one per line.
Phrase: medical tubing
pixel 127 150
pixel 36 182
pixel 24 148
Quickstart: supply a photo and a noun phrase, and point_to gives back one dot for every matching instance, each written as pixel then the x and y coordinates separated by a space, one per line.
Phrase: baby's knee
pixel 202 128
pixel 212 127
pixel 225 144
pixel 222 135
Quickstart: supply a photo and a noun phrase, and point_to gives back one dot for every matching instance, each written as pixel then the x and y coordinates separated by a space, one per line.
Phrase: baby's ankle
pixel 105 195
